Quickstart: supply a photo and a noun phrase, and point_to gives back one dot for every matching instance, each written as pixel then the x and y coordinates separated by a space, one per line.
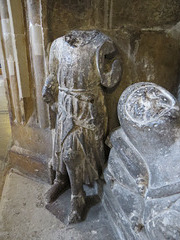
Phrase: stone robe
pixel 79 63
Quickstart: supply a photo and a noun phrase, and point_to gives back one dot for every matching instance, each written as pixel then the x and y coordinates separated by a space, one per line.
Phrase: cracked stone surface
pixel 142 186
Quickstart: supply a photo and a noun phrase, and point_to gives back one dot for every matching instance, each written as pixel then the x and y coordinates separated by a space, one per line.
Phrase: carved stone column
pixel 9 59
pixel 38 57
pixel 30 149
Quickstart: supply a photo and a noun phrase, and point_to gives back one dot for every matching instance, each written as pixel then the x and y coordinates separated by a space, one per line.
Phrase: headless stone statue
pixel 143 171
pixel 80 63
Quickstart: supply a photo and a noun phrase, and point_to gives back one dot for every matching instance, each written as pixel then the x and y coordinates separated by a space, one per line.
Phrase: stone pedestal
pixel 142 177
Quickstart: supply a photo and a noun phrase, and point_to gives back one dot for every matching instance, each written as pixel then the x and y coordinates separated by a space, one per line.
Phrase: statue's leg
pixel 61 183
pixel 77 193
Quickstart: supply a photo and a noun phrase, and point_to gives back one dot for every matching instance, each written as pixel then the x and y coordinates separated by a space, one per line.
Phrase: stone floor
pixel 24 216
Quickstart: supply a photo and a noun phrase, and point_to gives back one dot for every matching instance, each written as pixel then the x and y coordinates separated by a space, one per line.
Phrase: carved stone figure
pixel 143 173
pixel 80 63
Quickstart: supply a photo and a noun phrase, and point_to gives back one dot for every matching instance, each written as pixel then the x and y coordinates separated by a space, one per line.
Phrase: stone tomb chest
pixel 142 191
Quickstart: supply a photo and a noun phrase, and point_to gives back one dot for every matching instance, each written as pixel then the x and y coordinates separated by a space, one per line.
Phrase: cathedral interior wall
pixel 146 33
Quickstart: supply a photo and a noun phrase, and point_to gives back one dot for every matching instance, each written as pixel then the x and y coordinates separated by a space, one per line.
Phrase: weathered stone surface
pixel 145 13
pixel 143 169
pixel 110 14
pixel 147 55
pixel 23 214
pixel 80 64
pixel 157 60
pixel 73 15
pixel 147 35
pixel 139 29
pixel 34 25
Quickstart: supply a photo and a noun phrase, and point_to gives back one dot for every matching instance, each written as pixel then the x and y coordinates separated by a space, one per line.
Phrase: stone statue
pixel 80 64
pixel 143 173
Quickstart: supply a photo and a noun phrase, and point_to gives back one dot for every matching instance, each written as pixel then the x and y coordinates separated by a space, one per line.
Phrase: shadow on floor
pixel 95 217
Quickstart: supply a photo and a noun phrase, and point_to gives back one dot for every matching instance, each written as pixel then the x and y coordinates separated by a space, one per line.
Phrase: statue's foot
pixel 53 193
pixel 74 217
pixel 78 204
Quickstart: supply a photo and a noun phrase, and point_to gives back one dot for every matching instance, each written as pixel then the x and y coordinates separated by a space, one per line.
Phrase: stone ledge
pixel 28 163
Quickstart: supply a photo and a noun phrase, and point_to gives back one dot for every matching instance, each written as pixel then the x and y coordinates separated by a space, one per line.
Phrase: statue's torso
pixel 80 93
pixel 77 62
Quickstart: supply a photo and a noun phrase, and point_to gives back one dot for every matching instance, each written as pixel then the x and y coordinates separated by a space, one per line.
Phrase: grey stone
pixel 23 214
pixel 81 63
pixel 143 169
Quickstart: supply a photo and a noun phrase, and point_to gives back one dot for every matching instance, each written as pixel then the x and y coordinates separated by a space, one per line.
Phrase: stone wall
pixel 23 76
pixel 147 34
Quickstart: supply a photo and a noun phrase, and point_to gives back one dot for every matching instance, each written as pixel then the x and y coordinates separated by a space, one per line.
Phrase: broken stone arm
pixel 50 89
pixel 108 64
pixel 50 96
